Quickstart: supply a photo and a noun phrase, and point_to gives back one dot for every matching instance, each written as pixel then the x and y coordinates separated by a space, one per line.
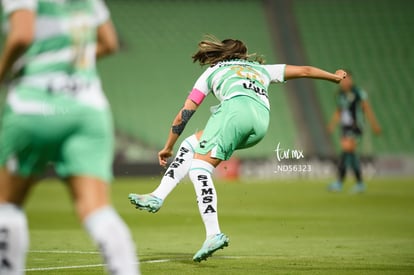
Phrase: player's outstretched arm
pixel 292 72
pixel 19 38
pixel 178 126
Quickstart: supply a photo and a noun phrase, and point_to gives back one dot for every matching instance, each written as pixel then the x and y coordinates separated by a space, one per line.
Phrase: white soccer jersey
pixel 228 79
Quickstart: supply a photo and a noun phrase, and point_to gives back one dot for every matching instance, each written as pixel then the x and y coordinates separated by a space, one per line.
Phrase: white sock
pixel 112 236
pixel 178 168
pixel 200 174
pixel 14 239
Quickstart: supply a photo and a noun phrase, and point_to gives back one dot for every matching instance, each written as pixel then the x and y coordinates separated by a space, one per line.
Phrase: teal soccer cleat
pixel 210 246
pixel 359 188
pixel 146 202
pixel 335 186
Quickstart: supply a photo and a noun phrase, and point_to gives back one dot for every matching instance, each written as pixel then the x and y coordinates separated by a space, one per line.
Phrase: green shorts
pixel 78 141
pixel 238 123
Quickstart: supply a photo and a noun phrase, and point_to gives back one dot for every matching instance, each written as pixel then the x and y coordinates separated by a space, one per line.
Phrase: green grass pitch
pixel 279 227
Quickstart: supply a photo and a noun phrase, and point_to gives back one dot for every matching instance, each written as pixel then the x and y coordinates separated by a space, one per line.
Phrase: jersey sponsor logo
pixel 177 162
pixel 248 72
pixel 67 85
pixel 206 194
pixel 251 85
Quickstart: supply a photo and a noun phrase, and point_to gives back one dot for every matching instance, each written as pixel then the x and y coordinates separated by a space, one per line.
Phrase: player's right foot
pixel 211 245
pixel 358 188
pixel 335 186
pixel 146 202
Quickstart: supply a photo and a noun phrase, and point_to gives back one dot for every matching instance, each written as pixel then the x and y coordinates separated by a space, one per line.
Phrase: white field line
pixel 101 265
pixel 63 252
pixel 62 267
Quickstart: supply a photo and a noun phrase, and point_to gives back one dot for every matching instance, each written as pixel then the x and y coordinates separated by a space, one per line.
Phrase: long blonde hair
pixel 211 51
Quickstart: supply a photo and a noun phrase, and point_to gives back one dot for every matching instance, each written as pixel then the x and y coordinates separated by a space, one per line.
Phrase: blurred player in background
pixel 56 112
pixel 240 121
pixel 351 104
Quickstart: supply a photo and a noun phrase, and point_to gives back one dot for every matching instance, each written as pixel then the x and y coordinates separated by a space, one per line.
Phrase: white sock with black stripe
pixel 200 174
pixel 14 239
pixel 113 238
pixel 178 168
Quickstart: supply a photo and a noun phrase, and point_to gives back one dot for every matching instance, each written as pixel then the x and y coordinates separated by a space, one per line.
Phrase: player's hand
pixel 341 73
pixel 377 130
pixel 163 156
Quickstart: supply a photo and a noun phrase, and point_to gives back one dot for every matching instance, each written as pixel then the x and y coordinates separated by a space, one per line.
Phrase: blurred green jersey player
pixel 56 112
pixel 351 105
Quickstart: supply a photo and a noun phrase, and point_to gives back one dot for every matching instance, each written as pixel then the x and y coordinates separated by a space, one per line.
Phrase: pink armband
pixel 196 96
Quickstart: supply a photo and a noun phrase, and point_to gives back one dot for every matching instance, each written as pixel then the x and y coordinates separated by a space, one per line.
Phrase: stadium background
pixel 151 76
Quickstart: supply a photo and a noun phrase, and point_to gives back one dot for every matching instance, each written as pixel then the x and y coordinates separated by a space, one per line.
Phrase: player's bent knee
pixel 89 194
pixel 348 144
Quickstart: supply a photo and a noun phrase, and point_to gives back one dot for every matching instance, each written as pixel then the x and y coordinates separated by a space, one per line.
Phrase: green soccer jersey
pixel 233 78
pixel 61 60
pixel 349 104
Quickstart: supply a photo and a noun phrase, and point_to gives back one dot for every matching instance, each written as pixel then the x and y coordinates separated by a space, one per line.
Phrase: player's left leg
pixel 348 145
pixel 104 224
pixel 16 166
pixel 360 186
pixel 355 163
pixel 176 171
pixel 85 161
pixel 14 234
pixel 179 167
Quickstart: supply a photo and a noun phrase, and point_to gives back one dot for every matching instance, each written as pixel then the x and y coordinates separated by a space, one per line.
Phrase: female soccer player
pixel 56 112
pixel 351 103
pixel 239 81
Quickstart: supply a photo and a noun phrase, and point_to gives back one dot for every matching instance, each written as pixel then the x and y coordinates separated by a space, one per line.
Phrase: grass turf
pixel 280 227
